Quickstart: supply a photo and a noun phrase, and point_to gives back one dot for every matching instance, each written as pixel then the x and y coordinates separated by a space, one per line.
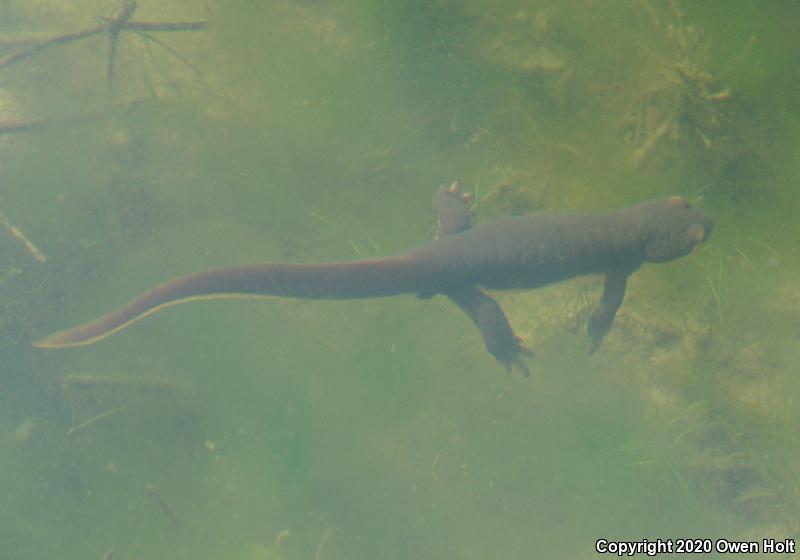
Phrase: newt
pixel 522 252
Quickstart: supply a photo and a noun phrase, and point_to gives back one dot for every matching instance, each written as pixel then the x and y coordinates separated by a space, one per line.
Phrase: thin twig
pixel 89 381
pixel 435 462
pixel 52 42
pixel 641 153
pixel 20 237
pixel 170 50
pixel 12 127
pixel 325 536
pixel 150 489
pixel 94 419
pixel 165 26
pixel 281 538
pixel 113 26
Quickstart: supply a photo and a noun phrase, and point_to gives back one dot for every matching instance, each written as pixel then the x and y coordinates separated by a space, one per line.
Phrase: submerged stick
pixel 11 127
pixel 113 26
pixel 20 237
pixel 165 26
pixel 52 42
pixel 170 50
pixel 641 153
pixel 150 489
pixel 94 419
pixel 325 536
pixel 281 538
pixel 90 381
pixel 435 462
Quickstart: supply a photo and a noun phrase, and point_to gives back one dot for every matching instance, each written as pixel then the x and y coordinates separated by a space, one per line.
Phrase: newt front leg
pixel 603 314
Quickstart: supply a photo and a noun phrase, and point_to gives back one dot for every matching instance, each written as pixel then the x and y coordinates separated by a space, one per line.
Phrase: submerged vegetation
pixel 297 130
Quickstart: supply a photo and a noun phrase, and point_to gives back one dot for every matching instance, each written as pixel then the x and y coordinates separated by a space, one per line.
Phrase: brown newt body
pixel 513 253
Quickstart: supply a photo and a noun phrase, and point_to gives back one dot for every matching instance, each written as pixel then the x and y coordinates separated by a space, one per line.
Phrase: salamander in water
pixel 513 253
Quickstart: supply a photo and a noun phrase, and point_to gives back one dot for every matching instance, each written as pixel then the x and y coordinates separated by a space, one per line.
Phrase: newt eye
pixel 680 202
pixel 697 233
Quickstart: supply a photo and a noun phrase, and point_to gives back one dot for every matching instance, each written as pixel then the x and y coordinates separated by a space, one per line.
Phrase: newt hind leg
pixel 498 337
pixel 452 209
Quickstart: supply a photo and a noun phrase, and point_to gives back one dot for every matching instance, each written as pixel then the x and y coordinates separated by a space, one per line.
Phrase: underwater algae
pixel 304 421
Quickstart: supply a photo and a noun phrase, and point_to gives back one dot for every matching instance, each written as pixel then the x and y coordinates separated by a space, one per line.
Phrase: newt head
pixel 674 227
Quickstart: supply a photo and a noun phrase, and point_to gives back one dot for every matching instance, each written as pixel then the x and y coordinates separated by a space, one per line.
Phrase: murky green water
pixel 311 130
